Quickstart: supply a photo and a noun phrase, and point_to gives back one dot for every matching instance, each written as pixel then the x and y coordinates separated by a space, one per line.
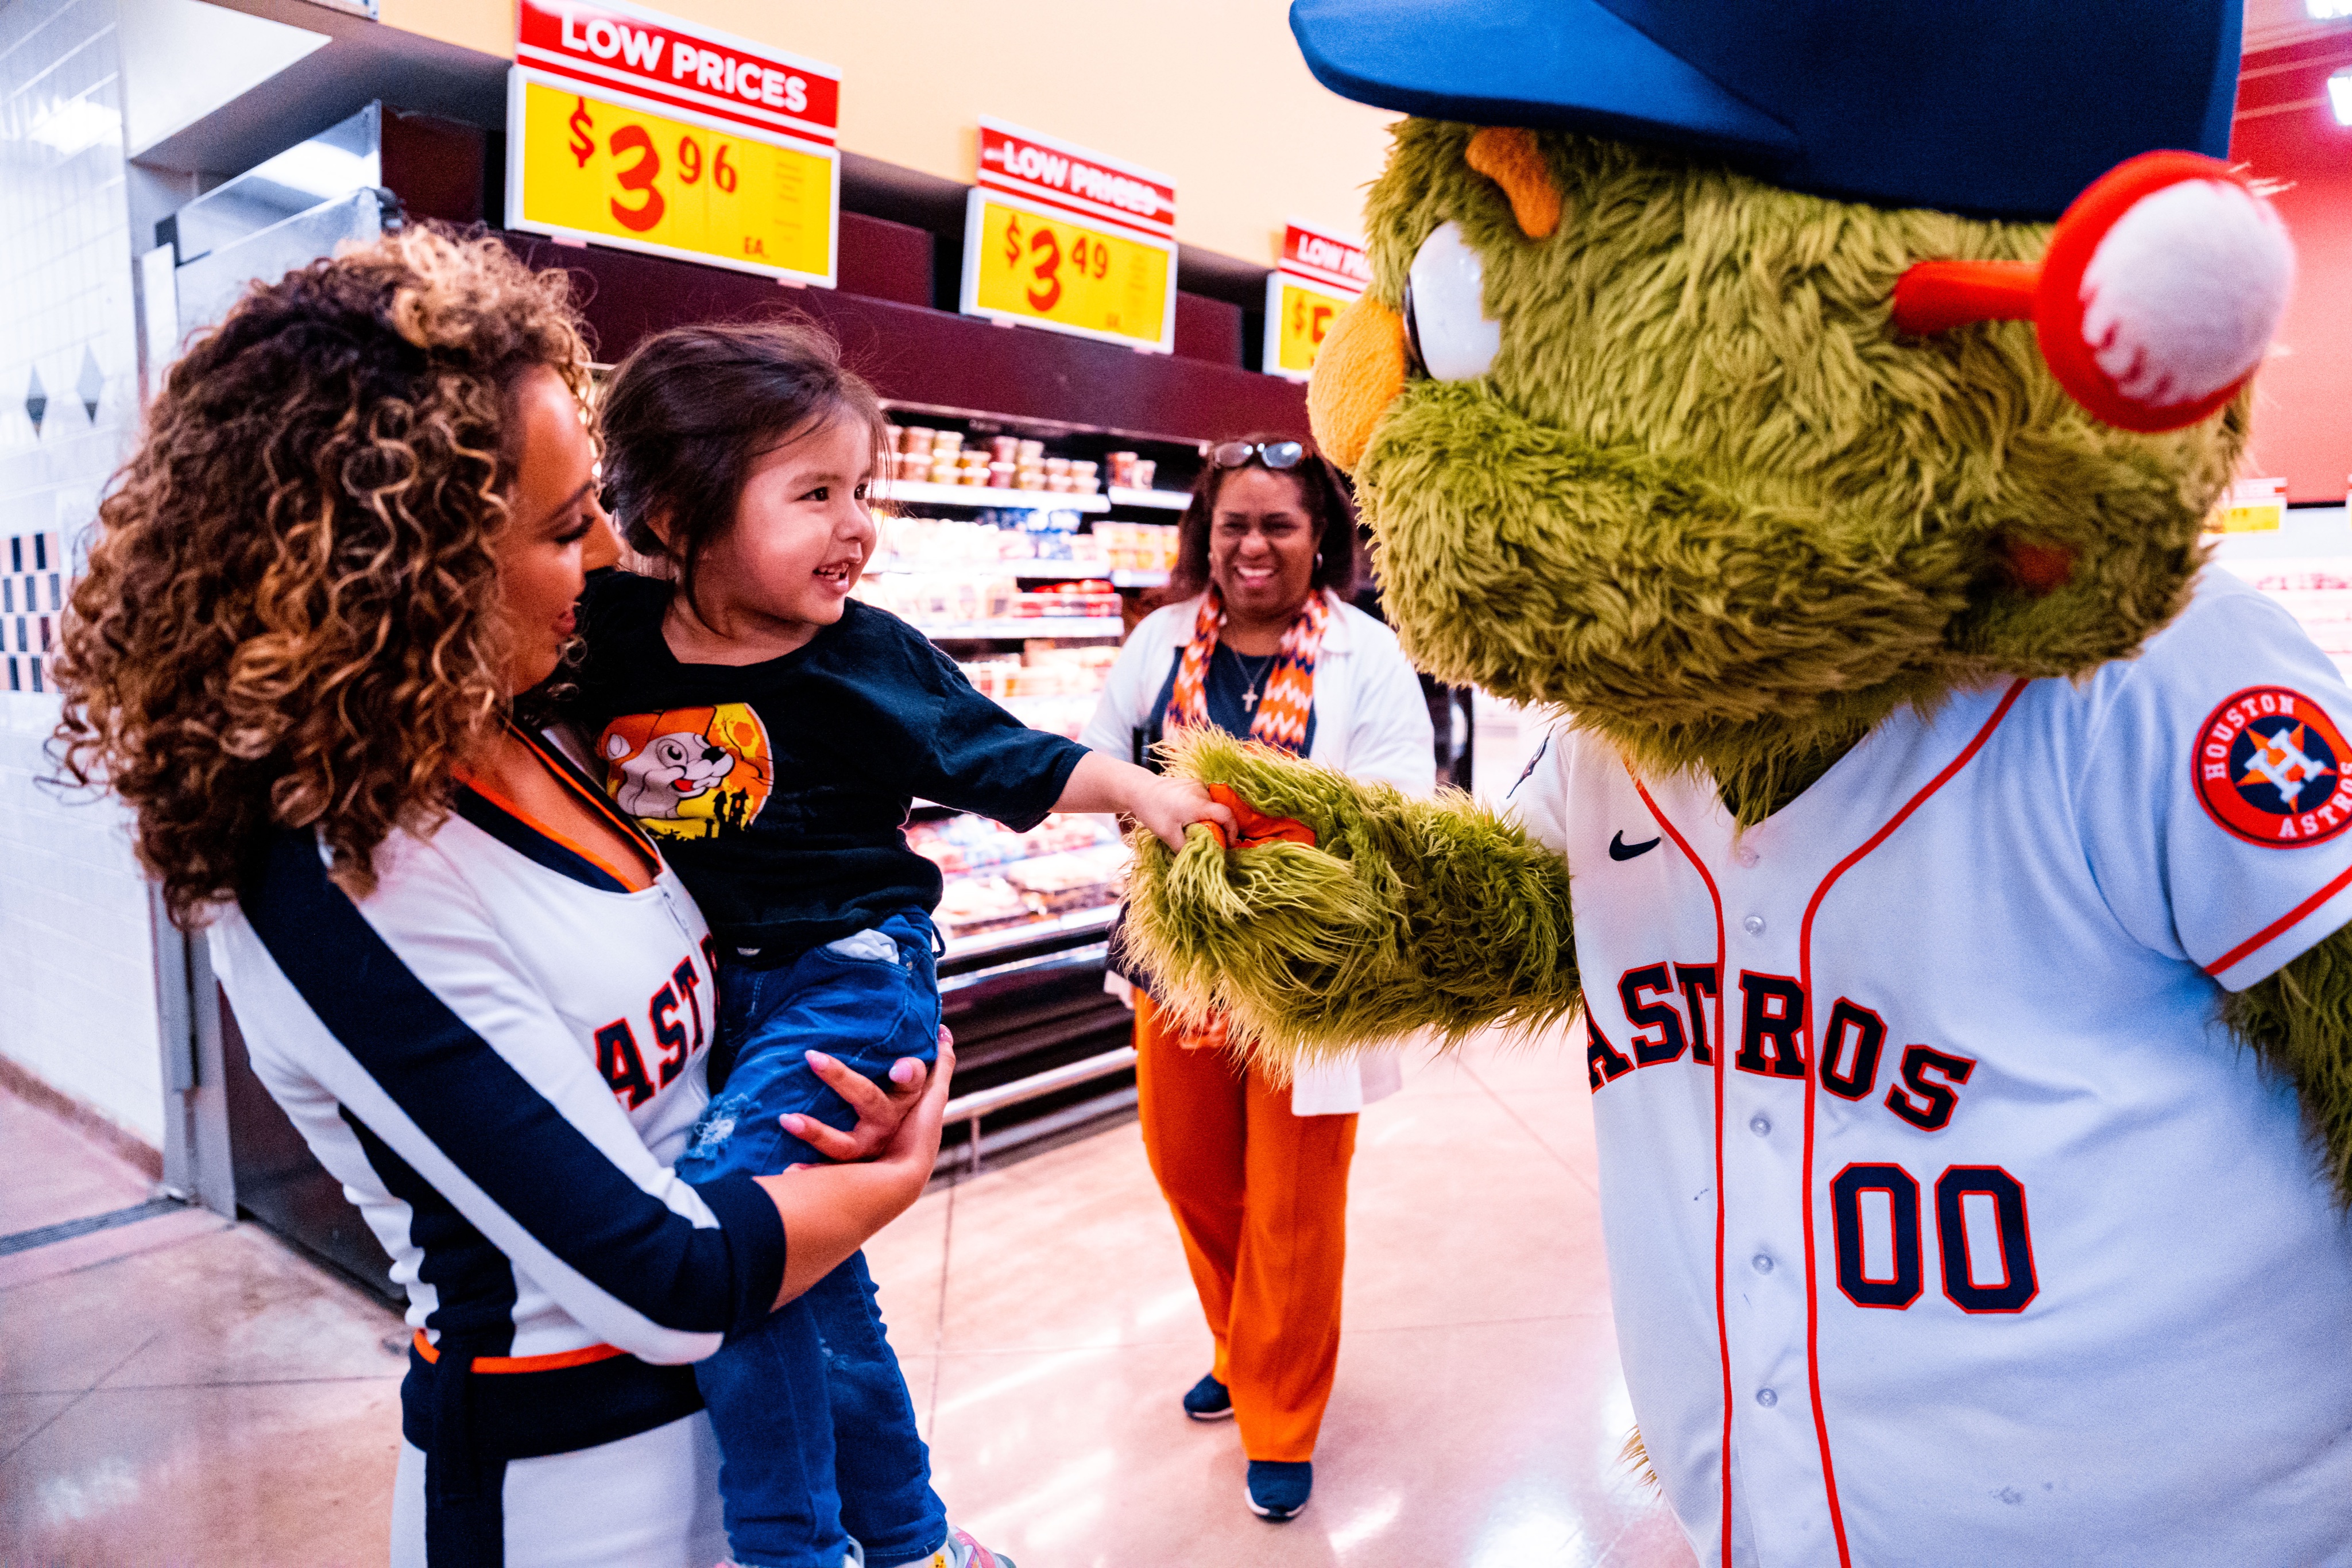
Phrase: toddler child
pixel 772 731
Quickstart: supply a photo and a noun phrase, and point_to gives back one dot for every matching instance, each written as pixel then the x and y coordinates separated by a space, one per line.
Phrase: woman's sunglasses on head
pixel 1277 454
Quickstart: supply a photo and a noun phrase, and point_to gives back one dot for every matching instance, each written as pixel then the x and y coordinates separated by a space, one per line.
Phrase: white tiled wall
pixel 76 954
pixel 77 986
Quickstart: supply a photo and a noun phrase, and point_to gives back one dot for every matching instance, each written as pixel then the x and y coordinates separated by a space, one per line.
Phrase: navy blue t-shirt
pixel 1224 687
pixel 779 789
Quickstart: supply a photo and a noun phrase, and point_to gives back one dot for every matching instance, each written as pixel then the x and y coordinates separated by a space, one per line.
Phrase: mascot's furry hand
pixel 1403 914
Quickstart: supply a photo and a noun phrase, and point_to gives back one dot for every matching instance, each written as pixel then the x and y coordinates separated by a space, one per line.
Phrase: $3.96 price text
pixel 634 141
pixel 605 168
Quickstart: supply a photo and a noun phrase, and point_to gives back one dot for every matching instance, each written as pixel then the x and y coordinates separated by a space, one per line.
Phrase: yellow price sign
pixel 1026 262
pixel 1297 315
pixel 594 168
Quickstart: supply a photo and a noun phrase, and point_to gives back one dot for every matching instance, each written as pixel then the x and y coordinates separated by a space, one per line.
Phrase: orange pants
pixel 1261 1199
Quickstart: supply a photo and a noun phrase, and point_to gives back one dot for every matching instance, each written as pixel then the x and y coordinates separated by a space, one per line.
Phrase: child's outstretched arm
pixel 1405 913
pixel 1165 805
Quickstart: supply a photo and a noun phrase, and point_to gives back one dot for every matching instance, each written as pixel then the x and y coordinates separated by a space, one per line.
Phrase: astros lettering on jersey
pixel 1939 1194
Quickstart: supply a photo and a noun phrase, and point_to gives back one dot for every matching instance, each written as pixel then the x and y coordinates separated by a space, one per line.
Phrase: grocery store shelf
pixel 1058 569
pixel 1022 626
pixel 917 491
pixel 1081 920
pixel 1166 500
pixel 1039 570
pixel 904 566
pixel 968 1109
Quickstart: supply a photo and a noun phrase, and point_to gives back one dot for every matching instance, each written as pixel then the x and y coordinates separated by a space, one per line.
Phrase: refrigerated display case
pixel 1031 590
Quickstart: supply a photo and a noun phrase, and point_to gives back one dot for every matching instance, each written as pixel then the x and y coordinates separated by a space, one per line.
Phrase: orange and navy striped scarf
pixel 1289 696
pixel 1280 719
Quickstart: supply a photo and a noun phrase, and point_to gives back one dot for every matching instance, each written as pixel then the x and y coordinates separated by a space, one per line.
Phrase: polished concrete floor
pixel 182 1390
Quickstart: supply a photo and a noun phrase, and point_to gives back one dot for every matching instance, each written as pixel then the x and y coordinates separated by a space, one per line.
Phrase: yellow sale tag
pixel 626 176
pixel 1302 316
pixel 2262 518
pixel 1063 273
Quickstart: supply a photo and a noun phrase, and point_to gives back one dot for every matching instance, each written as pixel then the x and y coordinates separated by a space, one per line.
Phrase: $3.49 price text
pixel 1069 274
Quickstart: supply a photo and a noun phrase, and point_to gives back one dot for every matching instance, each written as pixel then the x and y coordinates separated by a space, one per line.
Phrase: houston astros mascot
pixel 1814 407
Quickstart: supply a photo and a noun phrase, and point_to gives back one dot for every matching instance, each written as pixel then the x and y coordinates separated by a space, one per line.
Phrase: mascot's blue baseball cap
pixel 1998 108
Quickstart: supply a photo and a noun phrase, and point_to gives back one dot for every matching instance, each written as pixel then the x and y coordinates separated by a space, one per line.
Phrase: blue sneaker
pixel 1207 1400
pixel 1278 1488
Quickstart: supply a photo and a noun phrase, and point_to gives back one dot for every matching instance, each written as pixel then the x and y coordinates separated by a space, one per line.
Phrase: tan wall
pixel 1210 92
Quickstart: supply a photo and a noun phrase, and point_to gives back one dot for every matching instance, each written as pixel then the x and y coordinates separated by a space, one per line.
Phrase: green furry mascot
pixel 1952 873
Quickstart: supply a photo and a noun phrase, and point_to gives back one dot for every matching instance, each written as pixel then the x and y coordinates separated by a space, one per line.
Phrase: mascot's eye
pixel 1446 308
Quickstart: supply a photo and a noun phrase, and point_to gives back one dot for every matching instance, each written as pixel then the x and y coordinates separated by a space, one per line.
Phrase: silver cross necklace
pixel 1266 666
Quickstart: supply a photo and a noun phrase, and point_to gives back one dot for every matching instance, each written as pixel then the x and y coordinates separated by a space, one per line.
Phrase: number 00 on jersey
pixel 1027 264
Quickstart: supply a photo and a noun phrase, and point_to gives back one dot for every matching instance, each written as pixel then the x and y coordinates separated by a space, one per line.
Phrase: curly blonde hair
pixel 288 621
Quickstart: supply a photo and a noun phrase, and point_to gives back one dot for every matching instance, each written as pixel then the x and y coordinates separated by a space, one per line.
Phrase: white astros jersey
pixel 499 1053
pixel 1934 1191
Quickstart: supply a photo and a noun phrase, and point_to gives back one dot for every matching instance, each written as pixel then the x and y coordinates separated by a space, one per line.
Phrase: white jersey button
pixel 1753 925
pixel 1760 1126
pixel 1766 1398
pixel 1763 1261
pixel 1745 856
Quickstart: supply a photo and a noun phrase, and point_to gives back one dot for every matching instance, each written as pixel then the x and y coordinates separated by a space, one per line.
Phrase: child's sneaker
pixel 1278 1488
pixel 1209 1400
pixel 962 1552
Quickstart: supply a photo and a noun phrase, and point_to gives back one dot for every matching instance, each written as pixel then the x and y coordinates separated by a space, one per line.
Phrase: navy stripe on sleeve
pixel 490 1122
pixel 473 1282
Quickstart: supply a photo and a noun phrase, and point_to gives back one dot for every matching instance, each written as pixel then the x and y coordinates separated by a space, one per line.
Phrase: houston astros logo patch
pixel 2270 767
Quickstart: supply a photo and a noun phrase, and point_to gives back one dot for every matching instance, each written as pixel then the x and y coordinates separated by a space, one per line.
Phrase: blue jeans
pixel 817 1433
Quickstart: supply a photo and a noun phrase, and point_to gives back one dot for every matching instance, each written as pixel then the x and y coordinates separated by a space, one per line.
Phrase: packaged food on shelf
pixel 1078 673
pixel 969 844
pixel 1093 663
pixel 1130 471
pixel 989 675
pixel 972 905
pixel 1081 879
pixel 1137 546
pixel 1066 715
pixel 918 544
pixel 1067 599
pixel 931 597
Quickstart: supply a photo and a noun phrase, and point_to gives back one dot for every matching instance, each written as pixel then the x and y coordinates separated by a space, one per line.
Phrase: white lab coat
pixel 1371 721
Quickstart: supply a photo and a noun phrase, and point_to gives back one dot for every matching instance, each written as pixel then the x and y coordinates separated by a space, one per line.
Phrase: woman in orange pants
pixel 1260 1197
pixel 1259 644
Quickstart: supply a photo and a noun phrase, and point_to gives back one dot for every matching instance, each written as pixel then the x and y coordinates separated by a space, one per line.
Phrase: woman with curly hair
pixel 350 540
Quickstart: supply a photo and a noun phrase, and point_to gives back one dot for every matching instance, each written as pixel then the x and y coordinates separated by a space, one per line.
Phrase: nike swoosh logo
pixel 1619 850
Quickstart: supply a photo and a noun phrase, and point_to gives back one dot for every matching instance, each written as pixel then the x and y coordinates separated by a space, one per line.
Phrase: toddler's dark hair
pixel 691 410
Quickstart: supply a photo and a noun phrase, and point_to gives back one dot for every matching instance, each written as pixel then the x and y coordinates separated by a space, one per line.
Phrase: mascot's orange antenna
pixel 2157 298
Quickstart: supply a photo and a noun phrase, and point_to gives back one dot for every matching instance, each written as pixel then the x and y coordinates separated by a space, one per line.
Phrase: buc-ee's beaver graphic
pixel 687 771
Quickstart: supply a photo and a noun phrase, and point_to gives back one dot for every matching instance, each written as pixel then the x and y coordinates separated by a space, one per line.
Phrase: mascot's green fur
pixel 1709 504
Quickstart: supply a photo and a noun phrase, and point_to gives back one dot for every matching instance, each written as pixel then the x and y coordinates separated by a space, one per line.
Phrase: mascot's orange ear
pixel 2157 299
pixel 1513 159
